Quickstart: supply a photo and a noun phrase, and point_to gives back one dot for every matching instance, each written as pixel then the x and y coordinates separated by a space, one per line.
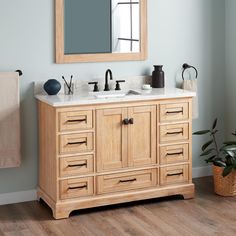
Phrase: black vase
pixel 158 77
pixel 52 87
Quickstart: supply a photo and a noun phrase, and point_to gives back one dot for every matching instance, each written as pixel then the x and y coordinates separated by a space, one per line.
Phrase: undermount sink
pixel 114 94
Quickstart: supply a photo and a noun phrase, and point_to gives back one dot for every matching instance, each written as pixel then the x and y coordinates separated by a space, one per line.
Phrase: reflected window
pixel 125 26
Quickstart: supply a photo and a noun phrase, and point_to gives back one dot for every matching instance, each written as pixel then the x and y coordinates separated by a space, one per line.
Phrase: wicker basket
pixel 224 186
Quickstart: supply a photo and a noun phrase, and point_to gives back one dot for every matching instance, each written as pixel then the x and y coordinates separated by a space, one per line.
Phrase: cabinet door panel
pixel 111 139
pixel 142 136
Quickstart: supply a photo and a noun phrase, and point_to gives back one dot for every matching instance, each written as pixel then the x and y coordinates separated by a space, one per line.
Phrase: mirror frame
pixel 61 57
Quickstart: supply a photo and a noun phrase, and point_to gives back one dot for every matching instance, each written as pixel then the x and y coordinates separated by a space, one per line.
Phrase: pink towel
pixel 10 155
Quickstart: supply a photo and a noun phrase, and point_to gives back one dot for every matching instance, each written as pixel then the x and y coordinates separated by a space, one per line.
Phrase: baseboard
pixel 16 197
pixel 30 195
pixel 202 171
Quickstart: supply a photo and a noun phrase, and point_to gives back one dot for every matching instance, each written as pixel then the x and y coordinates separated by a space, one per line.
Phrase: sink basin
pixel 114 94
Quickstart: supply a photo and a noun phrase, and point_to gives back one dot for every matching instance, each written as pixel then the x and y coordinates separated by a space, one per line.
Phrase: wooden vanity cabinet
pixel 94 155
pixel 126 137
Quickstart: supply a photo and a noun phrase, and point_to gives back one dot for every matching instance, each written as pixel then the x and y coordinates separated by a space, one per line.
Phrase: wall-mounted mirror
pixel 101 30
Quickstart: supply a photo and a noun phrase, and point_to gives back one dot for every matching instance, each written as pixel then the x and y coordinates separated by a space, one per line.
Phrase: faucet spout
pixel 108 72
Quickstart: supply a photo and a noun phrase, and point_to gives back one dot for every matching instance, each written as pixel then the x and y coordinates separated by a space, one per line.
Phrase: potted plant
pixel 223 159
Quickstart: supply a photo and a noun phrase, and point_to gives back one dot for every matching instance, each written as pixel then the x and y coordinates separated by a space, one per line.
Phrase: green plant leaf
pixel 210 159
pixel 201 132
pixel 229 148
pixel 214 132
pixel 204 146
pixel 214 124
pixel 219 163
pixel 230 153
pixel 229 143
pixel 207 152
pixel 227 170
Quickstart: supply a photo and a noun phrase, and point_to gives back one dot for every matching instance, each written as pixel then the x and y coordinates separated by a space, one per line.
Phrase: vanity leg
pixel 57 214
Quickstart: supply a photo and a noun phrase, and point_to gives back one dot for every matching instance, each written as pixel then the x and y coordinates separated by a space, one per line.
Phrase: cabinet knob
pixel 126 121
pixel 131 121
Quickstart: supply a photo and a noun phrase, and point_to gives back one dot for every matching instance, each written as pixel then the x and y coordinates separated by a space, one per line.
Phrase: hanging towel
pixel 191 84
pixel 9 120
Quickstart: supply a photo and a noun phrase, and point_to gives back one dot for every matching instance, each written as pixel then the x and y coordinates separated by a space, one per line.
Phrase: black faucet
pixel 106 79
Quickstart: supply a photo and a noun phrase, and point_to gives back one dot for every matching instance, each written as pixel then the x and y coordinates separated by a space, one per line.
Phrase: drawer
pixel 75 120
pixel 126 181
pixel 79 187
pixel 77 165
pixel 174 153
pixel 174 111
pixel 76 143
pixel 174 132
pixel 174 174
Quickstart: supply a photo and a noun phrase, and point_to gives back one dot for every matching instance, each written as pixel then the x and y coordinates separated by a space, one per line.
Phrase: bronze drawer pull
pixel 174 112
pixel 78 187
pixel 79 120
pixel 180 173
pixel 74 143
pixel 78 165
pixel 174 153
pixel 179 132
pixel 128 180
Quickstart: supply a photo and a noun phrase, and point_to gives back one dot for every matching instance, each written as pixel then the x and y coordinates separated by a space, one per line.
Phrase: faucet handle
pixel 118 84
pixel 95 89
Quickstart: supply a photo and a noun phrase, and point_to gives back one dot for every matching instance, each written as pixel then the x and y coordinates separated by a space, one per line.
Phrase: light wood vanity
pixel 106 153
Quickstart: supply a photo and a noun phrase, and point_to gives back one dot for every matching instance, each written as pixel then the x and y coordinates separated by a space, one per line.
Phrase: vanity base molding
pixel 62 209
pixel 102 154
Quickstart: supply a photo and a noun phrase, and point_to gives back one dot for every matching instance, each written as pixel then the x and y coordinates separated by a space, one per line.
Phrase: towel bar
pixel 187 66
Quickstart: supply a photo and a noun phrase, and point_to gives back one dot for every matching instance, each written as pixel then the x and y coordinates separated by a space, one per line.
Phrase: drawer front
pixel 174 153
pixel 126 181
pixel 77 165
pixel 174 133
pixel 174 112
pixel 174 174
pixel 76 120
pixel 76 143
pixel 73 188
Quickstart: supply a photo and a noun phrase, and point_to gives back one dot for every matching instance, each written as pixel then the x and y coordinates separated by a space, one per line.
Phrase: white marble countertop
pixel 89 99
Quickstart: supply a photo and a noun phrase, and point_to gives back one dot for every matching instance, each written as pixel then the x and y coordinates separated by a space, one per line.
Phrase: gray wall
pixel 179 31
pixel 230 59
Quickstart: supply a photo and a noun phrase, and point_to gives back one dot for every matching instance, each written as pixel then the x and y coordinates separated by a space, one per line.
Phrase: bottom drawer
pixel 174 174
pixel 79 187
pixel 126 181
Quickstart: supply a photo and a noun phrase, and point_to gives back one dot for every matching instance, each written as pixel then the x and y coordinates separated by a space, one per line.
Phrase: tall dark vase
pixel 158 77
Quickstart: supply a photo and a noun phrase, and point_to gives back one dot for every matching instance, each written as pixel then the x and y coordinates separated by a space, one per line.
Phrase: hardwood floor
pixel 207 214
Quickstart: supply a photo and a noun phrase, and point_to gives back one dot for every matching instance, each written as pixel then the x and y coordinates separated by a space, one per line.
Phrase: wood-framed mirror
pixel 100 30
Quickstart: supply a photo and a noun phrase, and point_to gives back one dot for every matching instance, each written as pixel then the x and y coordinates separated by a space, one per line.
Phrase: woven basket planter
pixel 224 186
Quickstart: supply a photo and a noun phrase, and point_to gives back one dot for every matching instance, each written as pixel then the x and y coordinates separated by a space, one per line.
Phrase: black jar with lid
pixel 158 77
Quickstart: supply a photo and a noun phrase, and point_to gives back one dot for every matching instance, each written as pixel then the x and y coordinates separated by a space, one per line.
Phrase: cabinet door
pixel 142 136
pixel 111 139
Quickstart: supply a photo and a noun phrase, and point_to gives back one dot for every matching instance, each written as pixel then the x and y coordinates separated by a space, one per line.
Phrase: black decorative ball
pixel 52 87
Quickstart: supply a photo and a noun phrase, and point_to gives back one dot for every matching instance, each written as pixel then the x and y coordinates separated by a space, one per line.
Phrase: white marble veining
pixel 89 98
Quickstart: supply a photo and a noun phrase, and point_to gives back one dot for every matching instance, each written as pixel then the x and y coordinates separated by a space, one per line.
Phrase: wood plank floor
pixel 207 214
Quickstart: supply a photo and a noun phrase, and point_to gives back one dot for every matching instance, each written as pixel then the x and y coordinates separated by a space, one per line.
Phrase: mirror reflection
pixel 101 26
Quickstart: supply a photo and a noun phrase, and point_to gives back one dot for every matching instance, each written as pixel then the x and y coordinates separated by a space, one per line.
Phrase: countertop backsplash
pixel 81 86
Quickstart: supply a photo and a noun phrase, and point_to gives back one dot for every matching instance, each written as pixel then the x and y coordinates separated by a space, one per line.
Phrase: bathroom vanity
pixel 95 152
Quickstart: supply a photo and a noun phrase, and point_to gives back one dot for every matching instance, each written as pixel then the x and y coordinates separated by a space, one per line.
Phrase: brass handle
pixel 77 165
pixel 78 120
pixel 180 173
pixel 179 132
pixel 127 180
pixel 174 112
pixel 74 143
pixel 78 187
pixel 174 153
pixel 125 121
